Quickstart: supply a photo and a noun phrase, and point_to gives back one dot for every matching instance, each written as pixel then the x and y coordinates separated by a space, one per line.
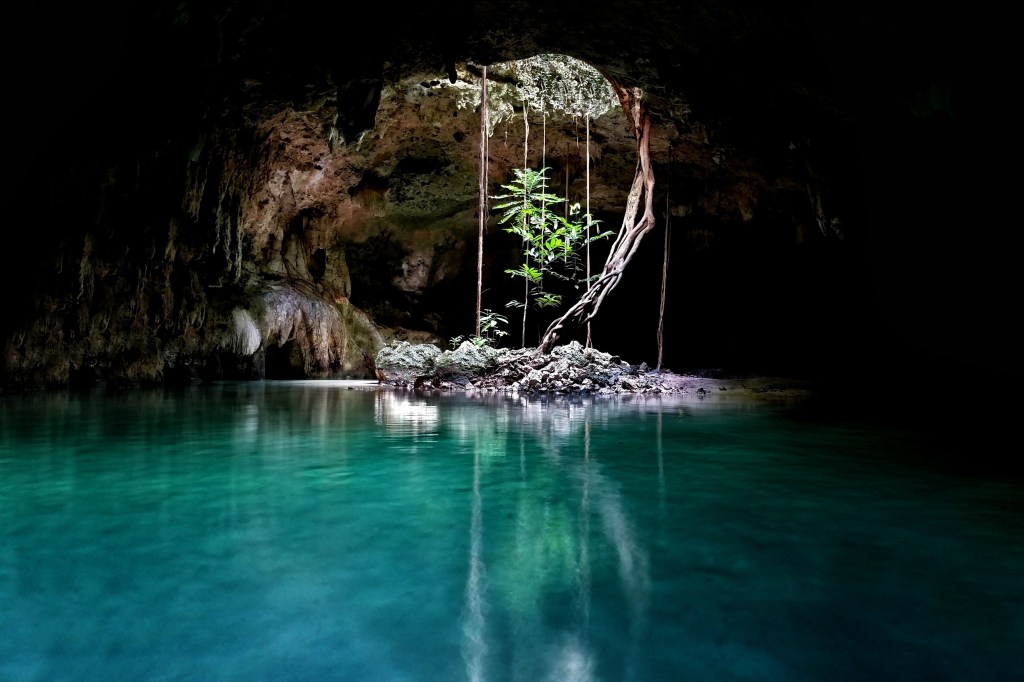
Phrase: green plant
pixel 550 242
pixel 489 321
pixel 490 332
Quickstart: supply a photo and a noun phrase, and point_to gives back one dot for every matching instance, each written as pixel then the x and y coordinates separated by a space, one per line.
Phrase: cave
pixel 222 214
pixel 819 169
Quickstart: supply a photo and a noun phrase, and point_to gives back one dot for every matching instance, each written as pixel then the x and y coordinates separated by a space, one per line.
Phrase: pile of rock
pixel 570 368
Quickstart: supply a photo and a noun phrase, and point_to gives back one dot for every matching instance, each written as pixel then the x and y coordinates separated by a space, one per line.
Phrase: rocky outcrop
pixel 406 364
pixel 567 369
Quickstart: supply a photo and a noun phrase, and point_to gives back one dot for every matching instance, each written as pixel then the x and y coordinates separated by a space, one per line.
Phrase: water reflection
pixel 391 535
pixel 542 547
pixel 475 646
pixel 267 466
pixel 402 413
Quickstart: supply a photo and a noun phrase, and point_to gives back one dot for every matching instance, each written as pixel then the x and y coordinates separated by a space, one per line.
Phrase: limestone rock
pixel 406 364
pixel 568 369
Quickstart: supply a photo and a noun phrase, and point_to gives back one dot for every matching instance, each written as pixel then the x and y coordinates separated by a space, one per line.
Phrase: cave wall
pixel 229 190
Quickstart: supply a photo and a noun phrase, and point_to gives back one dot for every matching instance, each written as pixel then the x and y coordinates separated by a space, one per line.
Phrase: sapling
pixel 550 240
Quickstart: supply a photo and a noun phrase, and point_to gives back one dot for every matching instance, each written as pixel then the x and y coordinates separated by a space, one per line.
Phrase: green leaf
pixel 549 301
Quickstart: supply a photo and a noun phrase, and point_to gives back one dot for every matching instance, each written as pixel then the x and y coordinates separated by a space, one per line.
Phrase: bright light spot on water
pixel 402 413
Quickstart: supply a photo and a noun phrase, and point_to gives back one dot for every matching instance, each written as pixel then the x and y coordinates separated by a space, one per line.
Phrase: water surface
pixel 310 531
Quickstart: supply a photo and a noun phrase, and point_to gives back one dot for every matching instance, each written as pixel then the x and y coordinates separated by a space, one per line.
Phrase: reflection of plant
pixel 489 331
pixel 550 241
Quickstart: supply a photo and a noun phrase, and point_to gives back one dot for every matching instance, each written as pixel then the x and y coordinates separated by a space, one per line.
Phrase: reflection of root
pixel 573 663
pixel 474 647
pixel 632 559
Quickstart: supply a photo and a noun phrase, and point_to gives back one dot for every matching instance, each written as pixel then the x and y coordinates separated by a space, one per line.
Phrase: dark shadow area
pixel 285 362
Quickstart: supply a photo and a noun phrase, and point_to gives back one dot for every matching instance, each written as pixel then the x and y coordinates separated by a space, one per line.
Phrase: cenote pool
pixel 314 531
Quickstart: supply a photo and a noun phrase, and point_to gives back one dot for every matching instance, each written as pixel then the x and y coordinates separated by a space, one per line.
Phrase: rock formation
pixel 567 369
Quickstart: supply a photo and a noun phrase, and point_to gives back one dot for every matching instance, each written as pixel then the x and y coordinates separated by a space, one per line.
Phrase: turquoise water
pixel 311 531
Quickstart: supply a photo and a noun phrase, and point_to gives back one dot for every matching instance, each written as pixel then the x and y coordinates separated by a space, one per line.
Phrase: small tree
pixel 550 241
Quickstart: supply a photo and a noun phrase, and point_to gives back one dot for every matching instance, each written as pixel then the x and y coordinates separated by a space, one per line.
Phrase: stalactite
pixel 167 299
pixel 228 210
pixel 171 248
pixel 196 175
pixel 85 280
pixel 218 221
pixel 238 246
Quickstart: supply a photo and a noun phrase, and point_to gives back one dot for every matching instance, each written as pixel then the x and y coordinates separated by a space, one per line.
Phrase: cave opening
pixel 539 112
pixel 285 361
